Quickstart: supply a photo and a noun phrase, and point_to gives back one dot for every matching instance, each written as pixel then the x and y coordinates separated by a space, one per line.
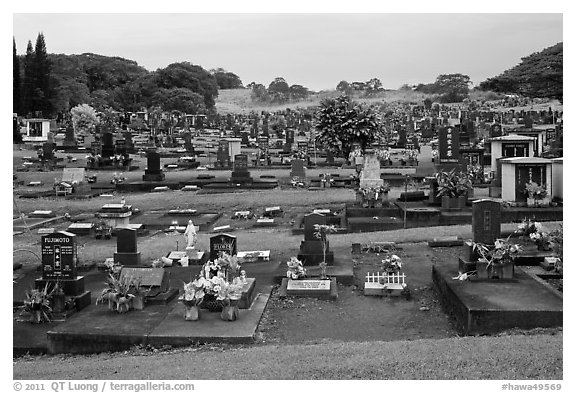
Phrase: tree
pixel 298 92
pixel 29 80
pixel 225 79
pixel 41 66
pixel 344 87
pixel 189 76
pixel 16 84
pixel 453 87
pixel 427 103
pixel 341 123
pixel 278 85
pixel 259 93
pixel 179 99
pixel 84 118
pixel 538 75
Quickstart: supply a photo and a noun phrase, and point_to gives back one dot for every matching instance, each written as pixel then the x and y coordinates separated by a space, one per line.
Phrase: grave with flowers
pixel 389 281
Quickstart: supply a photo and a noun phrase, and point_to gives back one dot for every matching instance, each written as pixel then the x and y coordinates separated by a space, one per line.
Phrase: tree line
pixel 51 84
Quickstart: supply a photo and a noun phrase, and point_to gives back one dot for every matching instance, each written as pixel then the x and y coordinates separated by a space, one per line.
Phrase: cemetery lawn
pixel 506 357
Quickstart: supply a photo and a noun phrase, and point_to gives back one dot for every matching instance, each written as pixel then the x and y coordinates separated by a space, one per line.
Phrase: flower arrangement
pixel 528 227
pixel 37 305
pixel 542 239
pixel 113 267
pixel 300 154
pixel 117 293
pixel 557 241
pixel 503 252
pixel 536 191
pixel 452 184
pixel 117 178
pixel 225 266
pixel 412 154
pixel 295 269
pixel 383 154
pixel 392 264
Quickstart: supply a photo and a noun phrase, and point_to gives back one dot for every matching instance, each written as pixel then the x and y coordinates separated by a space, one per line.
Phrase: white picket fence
pixel 382 278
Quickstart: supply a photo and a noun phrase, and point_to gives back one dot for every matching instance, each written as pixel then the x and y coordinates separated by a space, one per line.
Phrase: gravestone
pixel 59 266
pixel 290 137
pixel 240 173
pixel 486 220
pixel 129 142
pixel 153 171
pixel 244 136
pixel 48 150
pixel 70 138
pixel 59 256
pixel 127 247
pixel 121 147
pixel 311 247
pixel 448 145
pixel 370 175
pixel 222 243
pixel 107 144
pixel 298 169
pixel 402 137
pixel 96 148
pixel 495 130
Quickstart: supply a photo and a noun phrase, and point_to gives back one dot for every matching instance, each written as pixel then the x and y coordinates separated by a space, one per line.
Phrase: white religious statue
pixel 191 236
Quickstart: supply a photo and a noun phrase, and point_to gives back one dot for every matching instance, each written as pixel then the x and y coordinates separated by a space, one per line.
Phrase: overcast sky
pixel 314 50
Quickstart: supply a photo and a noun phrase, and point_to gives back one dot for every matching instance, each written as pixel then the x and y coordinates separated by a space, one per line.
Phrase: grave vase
pixel 137 302
pixel 531 202
pixel 123 305
pixel 191 311
pixel 230 311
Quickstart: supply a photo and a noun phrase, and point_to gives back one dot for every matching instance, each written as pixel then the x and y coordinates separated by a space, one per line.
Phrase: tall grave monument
pixel 311 252
pixel 59 266
pixel 153 171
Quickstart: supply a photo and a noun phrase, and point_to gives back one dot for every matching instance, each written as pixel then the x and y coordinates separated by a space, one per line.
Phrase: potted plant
pixel 321 232
pixel 497 261
pixel 536 193
pixel 453 187
pixel 193 296
pixel 117 294
pixel 229 295
pixel 542 240
pixel 37 305
pixel 295 269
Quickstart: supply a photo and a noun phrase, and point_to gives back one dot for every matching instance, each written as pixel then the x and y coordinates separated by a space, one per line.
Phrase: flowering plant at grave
pixel 114 268
pixel 452 184
pixel 412 154
pixel 296 182
pixel 541 239
pixel 557 241
pixel 194 291
pixel 528 227
pixel 476 172
pixel 295 269
pixel 327 178
pixel 503 252
pixel 300 154
pixel 117 293
pixel 536 191
pixel 117 178
pixel 383 154
pixel 224 266
pixel 37 305
pixel 392 264
pixel 354 153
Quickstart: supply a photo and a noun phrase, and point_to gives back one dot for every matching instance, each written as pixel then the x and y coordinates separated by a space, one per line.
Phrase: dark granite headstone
pixel 486 220
pixel 495 130
pixel 70 138
pixel 222 243
pixel 58 256
pixel 127 247
pixel 448 145
pixel 298 169
pixel 311 252
pixel 289 136
pixel 153 171
pixel 107 141
pixel 48 150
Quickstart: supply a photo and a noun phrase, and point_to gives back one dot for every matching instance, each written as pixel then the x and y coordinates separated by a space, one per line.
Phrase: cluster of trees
pixel 278 92
pixel 538 75
pixel 448 87
pixel 32 90
pixel 368 88
pixel 56 83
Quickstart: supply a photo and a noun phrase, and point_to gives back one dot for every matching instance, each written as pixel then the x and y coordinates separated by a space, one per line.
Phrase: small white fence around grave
pixel 379 284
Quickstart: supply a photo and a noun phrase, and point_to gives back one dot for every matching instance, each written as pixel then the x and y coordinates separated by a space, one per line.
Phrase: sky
pixel 316 50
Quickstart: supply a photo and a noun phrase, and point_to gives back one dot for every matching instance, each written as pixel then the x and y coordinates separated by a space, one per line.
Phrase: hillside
pixel 239 101
pixel 538 75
